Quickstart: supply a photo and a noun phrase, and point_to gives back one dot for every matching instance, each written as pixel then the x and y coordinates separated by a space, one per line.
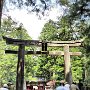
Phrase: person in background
pixel 5 87
pixel 74 86
pixel 61 86
pixel 80 85
pixel 67 86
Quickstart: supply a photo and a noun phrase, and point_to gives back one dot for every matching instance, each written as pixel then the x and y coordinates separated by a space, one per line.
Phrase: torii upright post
pixel 68 75
pixel 20 64
pixel 20 68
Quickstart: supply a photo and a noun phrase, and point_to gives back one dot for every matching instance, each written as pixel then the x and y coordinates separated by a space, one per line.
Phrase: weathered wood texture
pixel 20 68
pixel 68 75
pixel 39 43
pixel 23 42
pixel 44 52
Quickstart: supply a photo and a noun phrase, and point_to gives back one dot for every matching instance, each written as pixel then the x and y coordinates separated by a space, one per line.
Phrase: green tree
pixel 79 14
pixel 64 31
pixel 53 63
pixel 36 5
pixel 46 33
pixel 8 62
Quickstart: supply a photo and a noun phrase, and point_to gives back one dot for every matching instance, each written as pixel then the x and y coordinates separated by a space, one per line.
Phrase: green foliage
pixel 49 66
pixel 11 29
pixel 79 14
pixel 64 30
pixel 64 2
pixel 8 68
pixel 77 70
pixel 74 25
pixel 48 29
pixel 8 62
pixel 30 5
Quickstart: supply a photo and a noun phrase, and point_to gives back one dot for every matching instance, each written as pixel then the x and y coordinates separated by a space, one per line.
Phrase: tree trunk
pixel 1 7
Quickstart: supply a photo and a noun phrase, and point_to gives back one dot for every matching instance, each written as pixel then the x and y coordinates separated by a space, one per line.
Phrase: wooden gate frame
pixel 21 53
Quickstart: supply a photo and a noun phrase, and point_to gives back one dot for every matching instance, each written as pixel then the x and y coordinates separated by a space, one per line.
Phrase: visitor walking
pixel 5 87
pixel 74 86
pixel 67 86
pixel 61 86
pixel 80 85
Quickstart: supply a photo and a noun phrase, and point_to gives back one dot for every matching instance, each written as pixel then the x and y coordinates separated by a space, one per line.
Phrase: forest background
pixel 73 25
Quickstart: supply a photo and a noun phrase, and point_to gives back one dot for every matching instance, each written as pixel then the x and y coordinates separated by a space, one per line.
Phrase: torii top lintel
pixel 19 41
pixel 38 42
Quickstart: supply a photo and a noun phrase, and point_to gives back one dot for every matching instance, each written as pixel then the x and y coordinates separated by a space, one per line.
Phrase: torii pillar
pixel 20 68
pixel 67 66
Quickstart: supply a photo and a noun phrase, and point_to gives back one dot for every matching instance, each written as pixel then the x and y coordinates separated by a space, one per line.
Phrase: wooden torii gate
pixel 21 53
